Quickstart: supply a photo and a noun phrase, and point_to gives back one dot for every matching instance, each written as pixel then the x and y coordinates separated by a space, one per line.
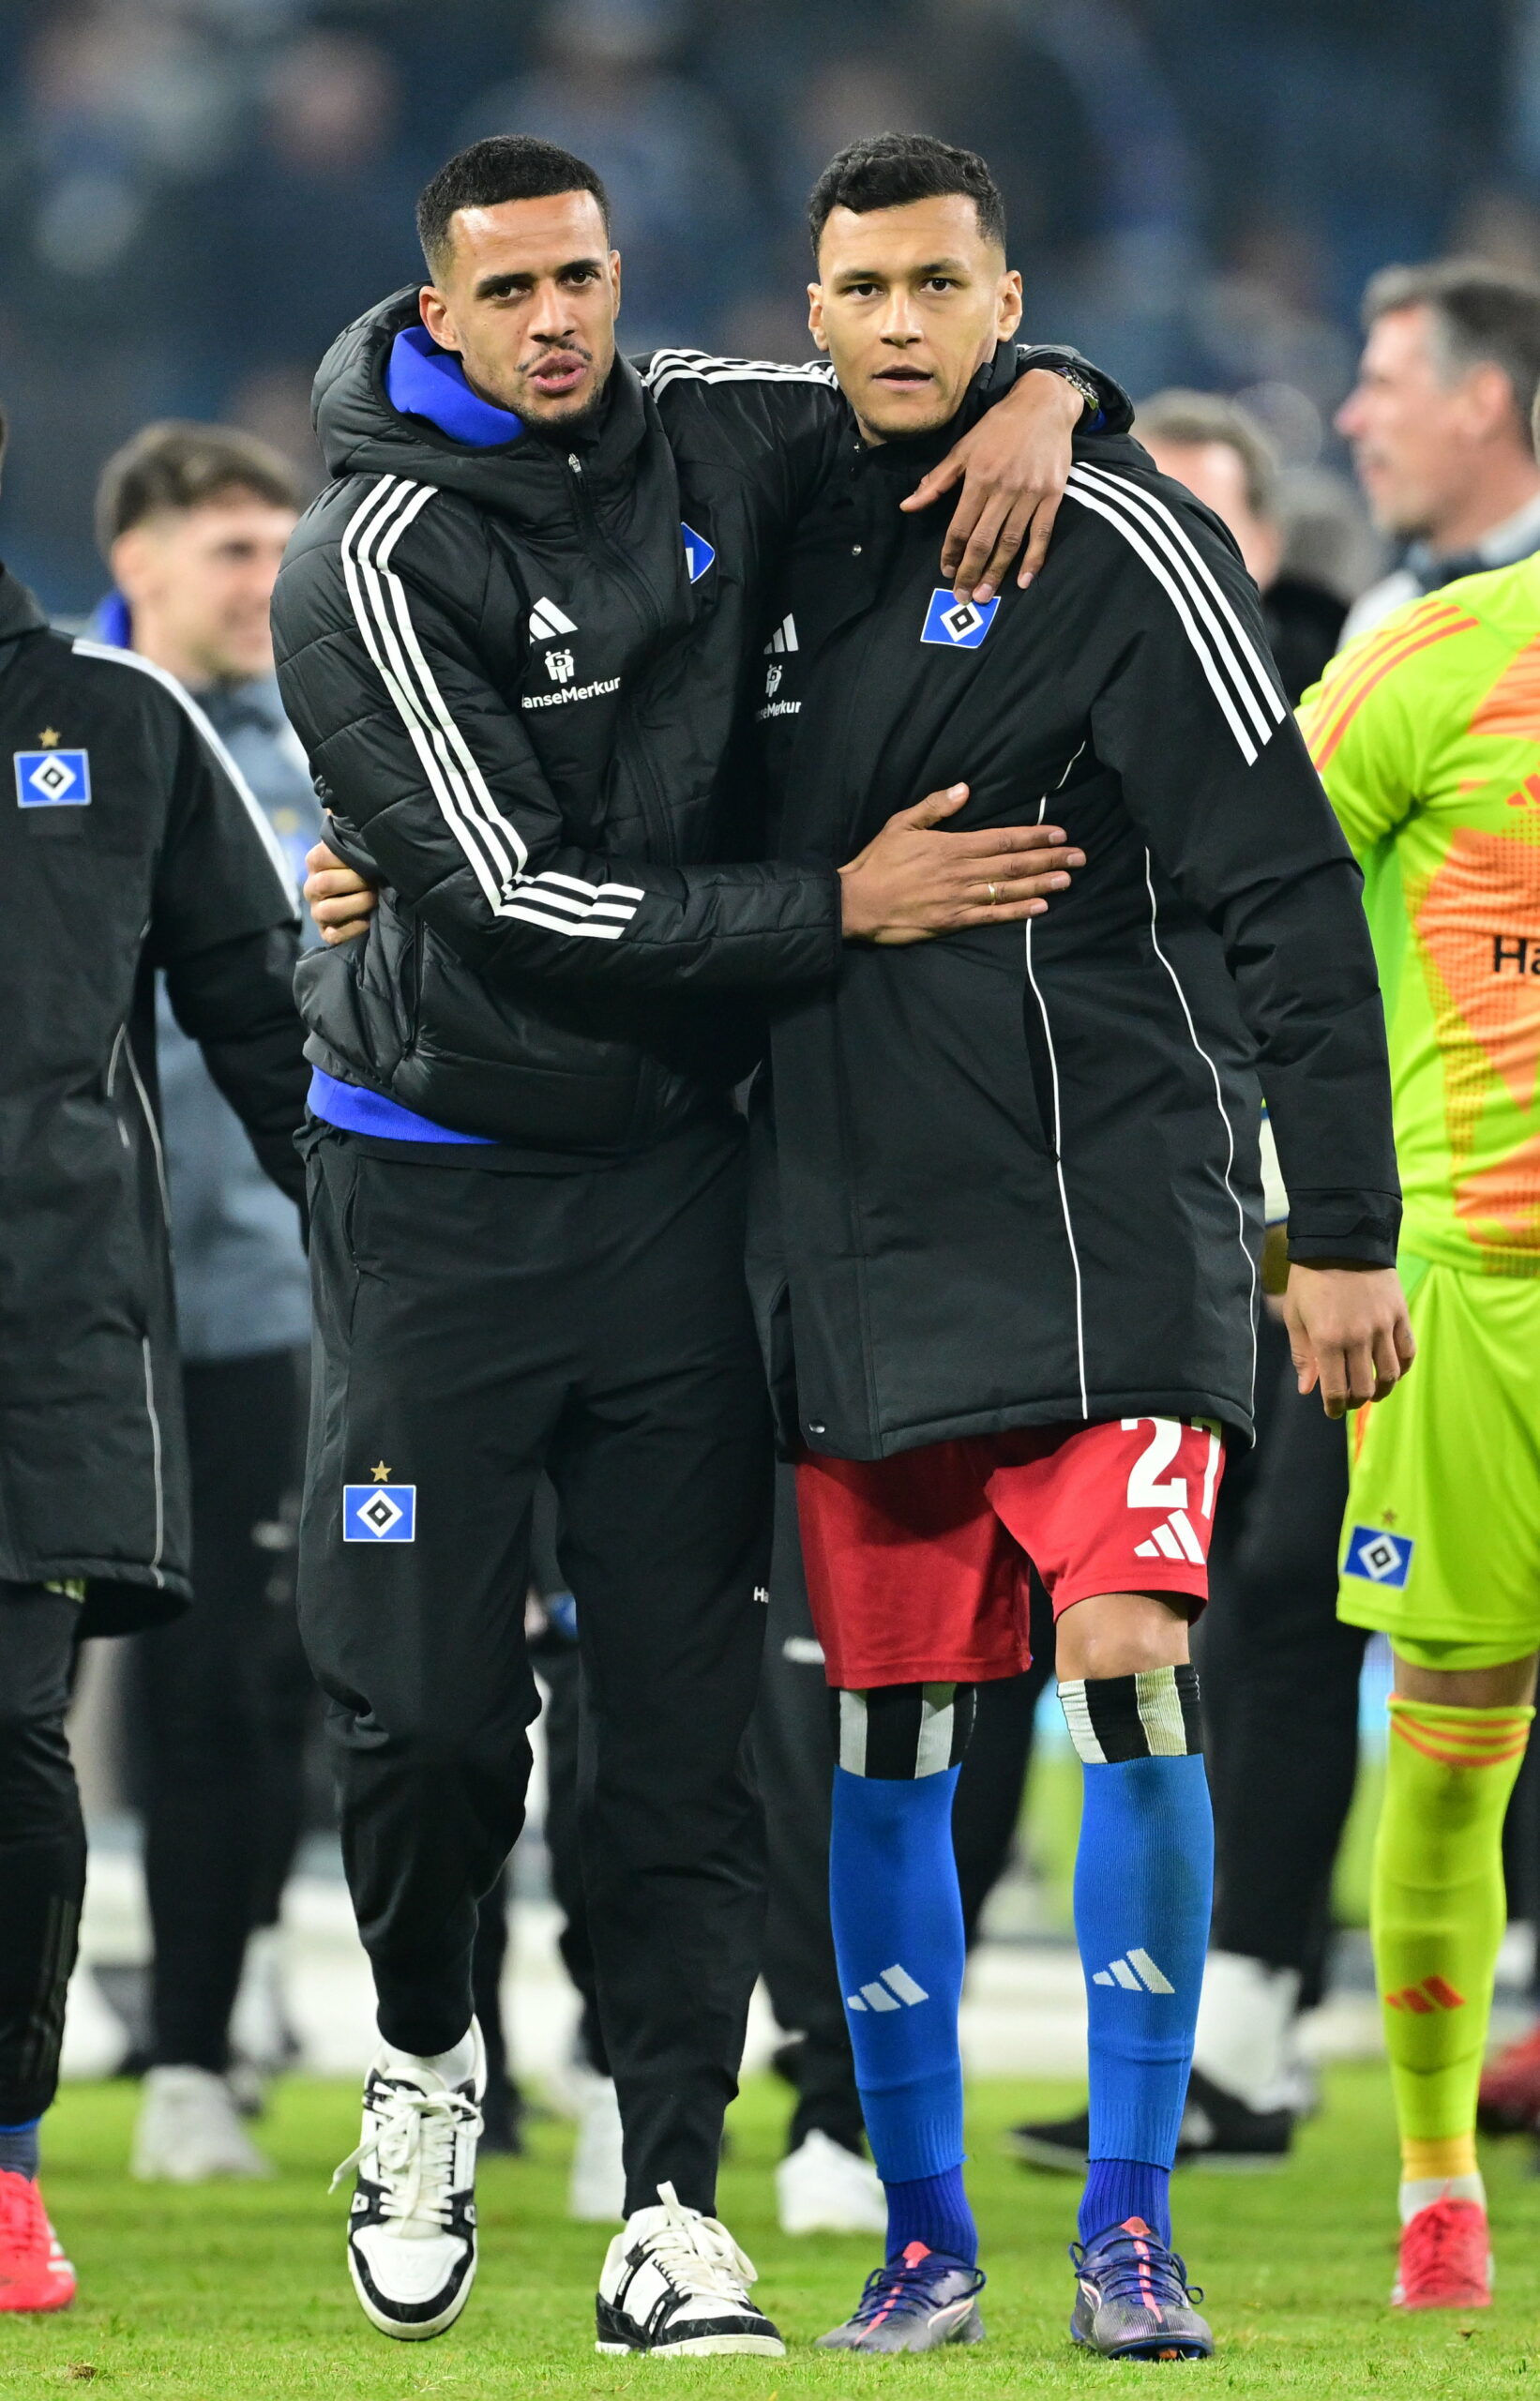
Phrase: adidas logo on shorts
pixel 1173 1539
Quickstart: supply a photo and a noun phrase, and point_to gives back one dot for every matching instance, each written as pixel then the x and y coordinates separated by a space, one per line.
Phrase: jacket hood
pixel 362 431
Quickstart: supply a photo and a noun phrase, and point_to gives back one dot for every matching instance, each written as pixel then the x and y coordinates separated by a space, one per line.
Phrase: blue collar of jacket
pixel 111 623
pixel 421 380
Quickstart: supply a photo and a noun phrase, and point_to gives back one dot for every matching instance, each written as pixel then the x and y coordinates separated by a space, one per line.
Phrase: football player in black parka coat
pixel 128 843
pixel 1009 1207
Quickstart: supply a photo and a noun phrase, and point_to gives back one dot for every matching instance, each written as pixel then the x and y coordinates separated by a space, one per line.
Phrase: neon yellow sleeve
pixel 1362 721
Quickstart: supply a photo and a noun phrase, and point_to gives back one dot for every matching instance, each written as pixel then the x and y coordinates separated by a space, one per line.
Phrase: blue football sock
pixel 1144 1890
pixel 19 2148
pixel 898 1933
pixel 1119 2189
pixel 932 2210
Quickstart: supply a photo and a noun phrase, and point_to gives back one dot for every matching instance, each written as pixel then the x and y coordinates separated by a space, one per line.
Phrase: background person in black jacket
pixel 512 633
pixel 127 842
pixel 193 520
pixel 1014 1195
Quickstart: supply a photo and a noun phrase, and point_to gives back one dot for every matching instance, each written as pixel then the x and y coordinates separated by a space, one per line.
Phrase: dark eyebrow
pixel 873 275
pixel 492 287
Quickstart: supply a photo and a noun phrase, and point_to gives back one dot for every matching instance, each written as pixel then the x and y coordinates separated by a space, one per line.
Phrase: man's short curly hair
pixel 892 169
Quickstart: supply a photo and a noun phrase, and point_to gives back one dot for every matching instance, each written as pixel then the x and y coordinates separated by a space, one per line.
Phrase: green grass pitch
pixel 224 2291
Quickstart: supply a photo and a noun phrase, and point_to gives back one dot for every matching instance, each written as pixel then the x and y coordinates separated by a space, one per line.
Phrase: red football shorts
pixel 918 1566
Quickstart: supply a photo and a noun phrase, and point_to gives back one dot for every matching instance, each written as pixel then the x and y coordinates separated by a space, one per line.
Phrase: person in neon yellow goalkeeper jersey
pixel 1427 734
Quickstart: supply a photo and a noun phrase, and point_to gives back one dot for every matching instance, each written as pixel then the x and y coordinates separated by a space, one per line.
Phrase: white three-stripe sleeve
pixel 1238 678
pixel 1250 673
pixel 494 849
pixel 666 367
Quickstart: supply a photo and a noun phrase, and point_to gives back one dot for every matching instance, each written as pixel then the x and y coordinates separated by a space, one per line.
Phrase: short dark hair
pixel 504 166
pixel 892 169
pixel 1191 419
pixel 177 465
pixel 1482 316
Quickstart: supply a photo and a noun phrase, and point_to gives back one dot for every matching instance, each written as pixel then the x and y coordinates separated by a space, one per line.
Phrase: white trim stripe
pixel 700 367
pixel 156 1144
pixel 1212 1470
pixel 493 846
pixel 1172 572
pixel 1250 673
pixel 504 843
pixel 1220 1103
pixel 276 856
pixel 157 1461
pixel 1058 1144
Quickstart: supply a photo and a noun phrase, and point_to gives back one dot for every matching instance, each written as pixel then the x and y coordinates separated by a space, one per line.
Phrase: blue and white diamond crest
pixel 1379 1557
pixel 379 1513
pixel 53 778
pixel 956 624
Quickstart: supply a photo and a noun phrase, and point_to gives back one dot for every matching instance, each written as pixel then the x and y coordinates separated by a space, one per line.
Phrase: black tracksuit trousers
pixel 206 1692
pixel 474 1327
pixel 42 1844
pixel 1280 1687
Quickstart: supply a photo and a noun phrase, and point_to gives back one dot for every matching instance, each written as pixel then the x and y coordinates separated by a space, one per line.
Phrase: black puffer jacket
pixel 516 671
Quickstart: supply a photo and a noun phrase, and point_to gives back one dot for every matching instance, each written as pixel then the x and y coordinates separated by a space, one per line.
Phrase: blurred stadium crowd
pixel 197 194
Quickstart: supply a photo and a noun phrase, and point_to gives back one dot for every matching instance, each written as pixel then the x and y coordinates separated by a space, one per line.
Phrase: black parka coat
pixel 127 843
pixel 1016 1176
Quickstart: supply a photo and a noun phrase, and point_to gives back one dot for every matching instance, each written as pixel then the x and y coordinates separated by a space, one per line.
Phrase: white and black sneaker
pixel 676 2284
pixel 411 2231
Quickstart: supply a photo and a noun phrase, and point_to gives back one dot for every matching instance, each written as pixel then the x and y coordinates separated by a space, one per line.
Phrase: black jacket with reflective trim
pixel 518 673
pixel 1018 1168
pixel 126 844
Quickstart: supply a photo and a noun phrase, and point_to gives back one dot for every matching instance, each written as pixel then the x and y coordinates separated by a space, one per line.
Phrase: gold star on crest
pixel 49 738
pixel 382 1473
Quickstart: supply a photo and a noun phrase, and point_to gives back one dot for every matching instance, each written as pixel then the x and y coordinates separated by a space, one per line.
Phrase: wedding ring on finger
pixel 993 891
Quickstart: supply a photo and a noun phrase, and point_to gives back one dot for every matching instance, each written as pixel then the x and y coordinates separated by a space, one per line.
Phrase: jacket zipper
pixel 660 824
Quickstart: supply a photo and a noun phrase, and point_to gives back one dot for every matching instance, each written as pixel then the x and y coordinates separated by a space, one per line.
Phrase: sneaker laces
pixel 1138 2267
pixel 697 2252
pixel 901 2289
pixel 1447 2231
pixel 412 2146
